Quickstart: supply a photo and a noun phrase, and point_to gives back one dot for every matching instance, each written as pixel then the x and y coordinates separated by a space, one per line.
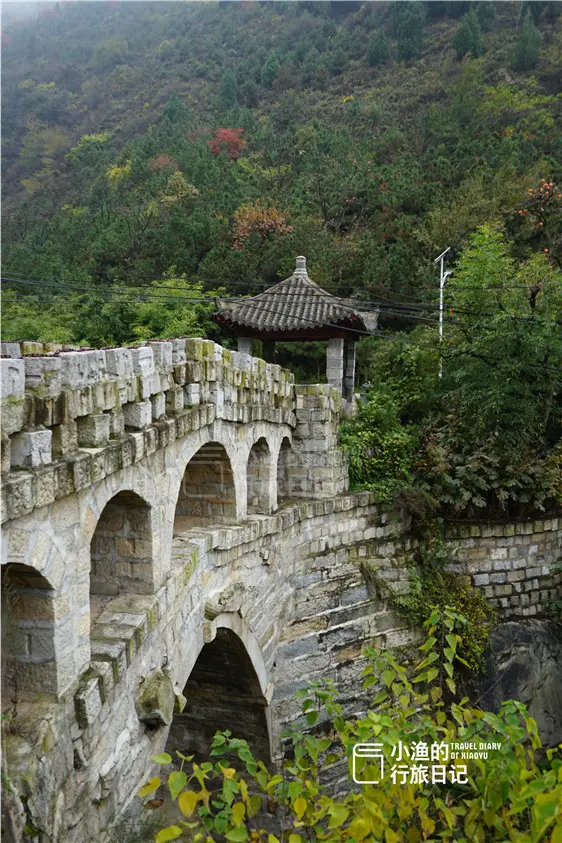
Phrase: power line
pixel 162 295
pixel 379 334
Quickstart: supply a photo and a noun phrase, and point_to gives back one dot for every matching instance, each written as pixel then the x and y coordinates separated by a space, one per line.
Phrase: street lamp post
pixel 442 282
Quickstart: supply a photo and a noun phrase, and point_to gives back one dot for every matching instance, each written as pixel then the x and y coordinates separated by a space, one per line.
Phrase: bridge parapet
pixel 72 417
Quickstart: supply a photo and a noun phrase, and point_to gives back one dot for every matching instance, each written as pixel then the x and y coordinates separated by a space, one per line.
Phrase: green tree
pixel 228 90
pixel 174 110
pixel 468 37
pixel 270 70
pixel 486 14
pixel 111 52
pixel 407 24
pixel 378 51
pixel 526 52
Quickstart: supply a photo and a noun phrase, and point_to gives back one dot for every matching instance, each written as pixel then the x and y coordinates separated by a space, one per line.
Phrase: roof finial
pixel 301 266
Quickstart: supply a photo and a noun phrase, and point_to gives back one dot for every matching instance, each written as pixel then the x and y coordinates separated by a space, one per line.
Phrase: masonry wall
pixel 513 562
pixel 303 589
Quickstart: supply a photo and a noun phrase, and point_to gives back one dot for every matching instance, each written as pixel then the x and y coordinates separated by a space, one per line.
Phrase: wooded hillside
pixel 225 138
pixel 156 153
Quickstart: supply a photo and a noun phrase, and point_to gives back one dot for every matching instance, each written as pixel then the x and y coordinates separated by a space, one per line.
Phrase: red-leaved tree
pixel 263 220
pixel 229 141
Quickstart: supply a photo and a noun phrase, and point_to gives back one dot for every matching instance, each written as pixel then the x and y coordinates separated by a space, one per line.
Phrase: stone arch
pixel 226 689
pixel 207 493
pixel 283 469
pixel 121 549
pixel 259 478
pixel 33 620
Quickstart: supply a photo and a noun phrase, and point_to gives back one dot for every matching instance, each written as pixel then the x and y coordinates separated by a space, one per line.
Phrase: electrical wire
pixel 149 294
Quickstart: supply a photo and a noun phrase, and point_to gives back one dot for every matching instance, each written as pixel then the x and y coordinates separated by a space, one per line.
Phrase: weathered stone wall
pixel 91 748
pixel 128 479
pixel 512 562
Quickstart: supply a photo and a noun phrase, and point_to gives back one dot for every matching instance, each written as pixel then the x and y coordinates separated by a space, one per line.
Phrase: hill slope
pixel 224 138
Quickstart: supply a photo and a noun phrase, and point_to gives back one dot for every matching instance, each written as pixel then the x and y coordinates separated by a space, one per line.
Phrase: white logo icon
pixel 363 751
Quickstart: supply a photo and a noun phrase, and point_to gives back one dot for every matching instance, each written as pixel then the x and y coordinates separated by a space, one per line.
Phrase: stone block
pixel 10 349
pixel 43 375
pixel 116 423
pixel 158 402
pixel 156 700
pixel 32 449
pixel 143 361
pixel 6 455
pixel 163 354
pixel 88 702
pixel 93 431
pixel 192 394
pixel 174 401
pixel 13 394
pixel 119 362
pixel 138 415
pixel 31 347
pixel 178 351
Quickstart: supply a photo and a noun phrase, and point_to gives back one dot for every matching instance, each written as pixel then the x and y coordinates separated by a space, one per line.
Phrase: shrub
pixel 468 37
pixel 505 796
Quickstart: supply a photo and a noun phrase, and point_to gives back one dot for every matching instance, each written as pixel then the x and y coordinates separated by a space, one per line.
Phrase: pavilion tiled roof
pixel 295 304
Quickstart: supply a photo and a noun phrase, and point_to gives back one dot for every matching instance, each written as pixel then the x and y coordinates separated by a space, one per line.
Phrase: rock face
pixel 525 663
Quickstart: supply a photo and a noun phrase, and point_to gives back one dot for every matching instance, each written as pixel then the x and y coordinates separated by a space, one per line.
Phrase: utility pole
pixel 442 282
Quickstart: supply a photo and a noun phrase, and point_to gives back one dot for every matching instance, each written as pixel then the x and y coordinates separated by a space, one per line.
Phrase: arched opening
pixel 207 495
pixel 283 467
pixel 222 692
pixel 258 475
pixel 30 617
pixel 121 548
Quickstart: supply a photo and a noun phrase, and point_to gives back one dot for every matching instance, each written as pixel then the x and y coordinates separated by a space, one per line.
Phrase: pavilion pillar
pixel 245 345
pixel 349 372
pixel 268 351
pixel 334 362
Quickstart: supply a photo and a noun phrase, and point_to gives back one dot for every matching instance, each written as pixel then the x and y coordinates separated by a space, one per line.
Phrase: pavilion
pixel 298 310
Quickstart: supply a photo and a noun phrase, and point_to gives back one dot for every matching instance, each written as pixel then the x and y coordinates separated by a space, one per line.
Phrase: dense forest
pixel 155 154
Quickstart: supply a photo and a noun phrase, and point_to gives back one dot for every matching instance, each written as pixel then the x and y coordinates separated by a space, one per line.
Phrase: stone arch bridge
pixel 176 524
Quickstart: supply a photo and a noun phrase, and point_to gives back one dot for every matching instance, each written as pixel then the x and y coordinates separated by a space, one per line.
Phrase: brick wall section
pixel 511 562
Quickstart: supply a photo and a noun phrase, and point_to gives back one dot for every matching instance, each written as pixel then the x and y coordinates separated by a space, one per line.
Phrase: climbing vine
pixel 506 796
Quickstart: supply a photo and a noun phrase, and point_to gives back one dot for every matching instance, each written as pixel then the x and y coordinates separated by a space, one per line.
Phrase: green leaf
pixel 162 758
pixel 452 641
pixel 388 677
pixel 238 813
pixel 176 781
pixel 187 802
pixel 338 815
pixel 150 787
pixel 299 807
pixel 172 832
pixel 254 805
pixel 237 835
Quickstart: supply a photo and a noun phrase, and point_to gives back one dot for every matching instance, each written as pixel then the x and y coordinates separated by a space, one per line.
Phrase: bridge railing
pixel 60 405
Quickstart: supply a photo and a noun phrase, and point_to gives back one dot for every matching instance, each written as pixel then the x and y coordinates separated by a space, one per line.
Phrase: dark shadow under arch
pixel 121 547
pixel 283 470
pixel 259 470
pixel 29 614
pixel 222 692
pixel 207 494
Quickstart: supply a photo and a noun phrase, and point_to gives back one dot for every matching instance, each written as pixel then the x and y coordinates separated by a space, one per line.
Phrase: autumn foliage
pixel 161 161
pixel 229 141
pixel 543 207
pixel 263 220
